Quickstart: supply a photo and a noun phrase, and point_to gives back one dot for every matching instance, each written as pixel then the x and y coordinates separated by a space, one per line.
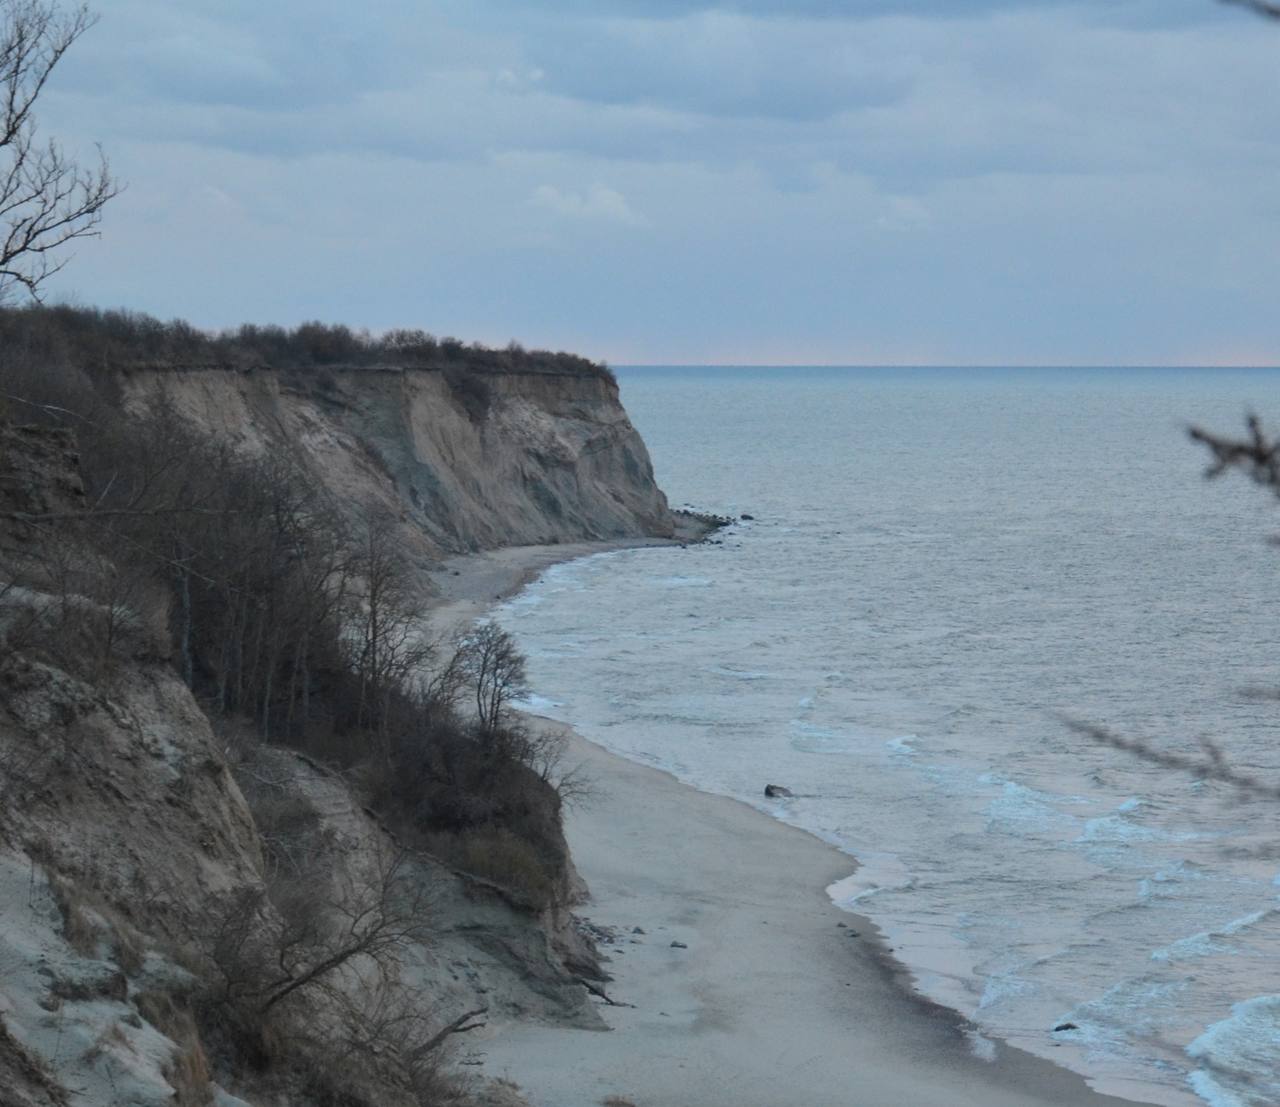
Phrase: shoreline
pixel 746 985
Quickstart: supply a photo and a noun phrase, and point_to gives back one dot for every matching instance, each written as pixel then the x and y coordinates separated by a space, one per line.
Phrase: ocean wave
pixel 981 1047
pixel 1018 807
pixel 535 704
pixel 1207 943
pixel 1238 1059
pixel 876 873
pixel 997 990
pixel 1132 1008
pixel 1118 829
pixel 807 738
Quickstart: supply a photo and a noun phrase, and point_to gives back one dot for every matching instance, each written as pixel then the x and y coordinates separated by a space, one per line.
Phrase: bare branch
pixel 1265 8
pixel 1258 455
pixel 461 1025
pixel 1213 766
pixel 46 199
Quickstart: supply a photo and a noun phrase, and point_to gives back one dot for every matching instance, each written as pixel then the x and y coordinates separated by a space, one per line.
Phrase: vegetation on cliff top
pixel 92 339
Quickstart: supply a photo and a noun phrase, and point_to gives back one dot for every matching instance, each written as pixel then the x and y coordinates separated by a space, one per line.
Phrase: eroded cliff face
pixel 468 462
pixel 156 873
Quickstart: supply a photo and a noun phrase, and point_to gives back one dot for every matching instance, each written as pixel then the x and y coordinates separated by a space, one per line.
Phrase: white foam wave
pixel 1198 945
pixel 876 873
pixel 1117 829
pixel 999 989
pixel 1135 1006
pixel 1208 943
pixel 535 704
pixel 1238 1059
pixel 1021 807
pixel 807 738
pixel 981 1047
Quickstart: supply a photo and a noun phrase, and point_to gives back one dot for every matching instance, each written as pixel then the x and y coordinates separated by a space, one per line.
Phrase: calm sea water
pixel 942 564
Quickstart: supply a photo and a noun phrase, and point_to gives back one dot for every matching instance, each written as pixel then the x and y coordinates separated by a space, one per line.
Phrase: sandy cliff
pixel 150 863
pixel 468 462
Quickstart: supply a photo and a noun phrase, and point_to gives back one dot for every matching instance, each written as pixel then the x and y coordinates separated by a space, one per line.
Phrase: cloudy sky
pixel 763 181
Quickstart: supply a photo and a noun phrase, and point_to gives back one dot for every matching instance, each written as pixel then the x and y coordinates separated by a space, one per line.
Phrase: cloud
pixel 597 203
pixel 994 181
pixel 815 9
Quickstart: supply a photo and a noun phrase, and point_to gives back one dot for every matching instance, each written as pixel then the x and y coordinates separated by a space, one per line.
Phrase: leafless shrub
pixel 295 934
pixel 79 928
pixel 388 1036
pixel 188 1071
pixel 499 855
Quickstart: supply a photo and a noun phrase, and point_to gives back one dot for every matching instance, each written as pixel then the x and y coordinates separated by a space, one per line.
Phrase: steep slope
pixel 154 874
pixel 467 460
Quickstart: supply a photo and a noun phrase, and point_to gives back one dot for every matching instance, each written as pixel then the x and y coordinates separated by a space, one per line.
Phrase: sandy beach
pixel 742 985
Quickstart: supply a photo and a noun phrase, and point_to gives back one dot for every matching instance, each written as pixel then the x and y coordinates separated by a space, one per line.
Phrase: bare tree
pixel 389 649
pixel 46 199
pixel 495 667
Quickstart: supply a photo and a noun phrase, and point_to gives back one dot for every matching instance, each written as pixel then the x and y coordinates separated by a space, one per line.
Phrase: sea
pixel 935 578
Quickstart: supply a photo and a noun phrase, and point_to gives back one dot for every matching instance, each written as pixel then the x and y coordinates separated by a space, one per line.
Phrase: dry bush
pixel 81 924
pixel 387 1039
pixel 110 1037
pixel 499 856
pixel 188 1072
pixel 300 930
pixel 89 922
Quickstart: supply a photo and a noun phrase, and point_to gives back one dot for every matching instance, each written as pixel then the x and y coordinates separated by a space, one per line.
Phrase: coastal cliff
pixel 471 462
pixel 196 915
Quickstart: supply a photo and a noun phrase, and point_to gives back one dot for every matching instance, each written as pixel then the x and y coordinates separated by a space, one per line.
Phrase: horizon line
pixel 1139 366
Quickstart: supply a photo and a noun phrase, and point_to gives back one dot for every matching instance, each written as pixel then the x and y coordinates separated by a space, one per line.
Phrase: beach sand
pixel 767 1001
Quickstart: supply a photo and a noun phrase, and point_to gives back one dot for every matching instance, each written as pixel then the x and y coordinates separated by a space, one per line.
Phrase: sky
pixel 668 181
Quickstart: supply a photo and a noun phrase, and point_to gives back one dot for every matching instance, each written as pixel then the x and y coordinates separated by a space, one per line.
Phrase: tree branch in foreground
pixel 1265 8
pixel 1212 765
pixel 46 199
